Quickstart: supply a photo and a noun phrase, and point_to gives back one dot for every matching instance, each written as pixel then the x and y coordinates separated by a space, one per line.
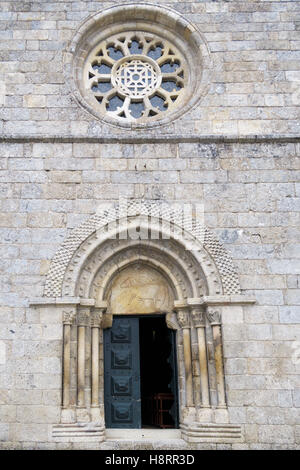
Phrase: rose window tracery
pixel 136 76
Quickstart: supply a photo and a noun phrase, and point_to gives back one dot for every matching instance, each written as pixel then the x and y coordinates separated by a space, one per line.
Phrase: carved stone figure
pixel 183 317
pixel 83 317
pixel 198 316
pixel 69 316
pixel 139 289
pixel 214 316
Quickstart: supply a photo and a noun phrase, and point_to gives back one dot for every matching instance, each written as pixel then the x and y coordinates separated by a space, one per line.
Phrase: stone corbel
pixel 107 321
pixel 171 321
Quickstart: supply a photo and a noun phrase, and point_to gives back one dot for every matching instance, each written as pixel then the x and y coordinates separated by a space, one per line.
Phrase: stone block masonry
pixel 237 152
pixel 254 51
pixel 260 348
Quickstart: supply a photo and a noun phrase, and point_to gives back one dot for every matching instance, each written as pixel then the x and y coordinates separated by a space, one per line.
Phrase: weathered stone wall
pixel 250 188
pixel 250 195
pixel 254 48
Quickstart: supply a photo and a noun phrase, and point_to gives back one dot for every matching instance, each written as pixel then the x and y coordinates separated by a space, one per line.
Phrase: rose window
pixel 138 66
pixel 135 77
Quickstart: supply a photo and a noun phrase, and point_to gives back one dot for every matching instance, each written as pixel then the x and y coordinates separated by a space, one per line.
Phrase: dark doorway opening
pixel 159 403
pixel 140 373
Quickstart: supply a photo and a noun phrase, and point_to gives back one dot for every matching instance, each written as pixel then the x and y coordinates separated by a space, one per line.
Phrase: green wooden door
pixel 122 374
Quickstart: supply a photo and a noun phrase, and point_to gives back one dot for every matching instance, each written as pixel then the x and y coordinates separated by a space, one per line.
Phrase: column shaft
pixel 203 366
pixel 95 366
pixel 216 330
pixel 81 367
pixel 188 366
pixel 66 364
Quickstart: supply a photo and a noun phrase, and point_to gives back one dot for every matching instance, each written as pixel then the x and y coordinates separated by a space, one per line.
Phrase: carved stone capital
pixel 96 317
pixel 183 317
pixel 198 317
pixel 83 316
pixel 69 316
pixel 214 315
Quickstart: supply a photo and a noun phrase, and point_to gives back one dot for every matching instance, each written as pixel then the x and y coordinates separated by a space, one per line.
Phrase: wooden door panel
pixel 122 374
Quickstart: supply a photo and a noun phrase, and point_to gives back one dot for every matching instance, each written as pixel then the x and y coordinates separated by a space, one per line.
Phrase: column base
pixel 97 415
pixel 205 415
pixel 212 415
pixel 221 415
pixel 82 415
pixel 68 415
pixel 188 414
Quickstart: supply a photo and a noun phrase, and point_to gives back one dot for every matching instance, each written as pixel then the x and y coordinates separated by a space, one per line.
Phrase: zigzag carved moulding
pixel 204 240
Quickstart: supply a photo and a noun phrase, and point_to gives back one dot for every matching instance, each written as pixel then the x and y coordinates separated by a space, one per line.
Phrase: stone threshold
pixel 188 434
pixel 142 434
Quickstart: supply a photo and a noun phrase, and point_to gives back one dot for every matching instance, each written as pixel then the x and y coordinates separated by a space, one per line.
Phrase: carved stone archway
pixel 200 279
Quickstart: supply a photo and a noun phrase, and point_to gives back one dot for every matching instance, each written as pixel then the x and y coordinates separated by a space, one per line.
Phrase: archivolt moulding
pixel 93 281
pixel 197 251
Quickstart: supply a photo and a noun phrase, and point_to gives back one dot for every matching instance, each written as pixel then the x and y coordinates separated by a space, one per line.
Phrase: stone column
pixel 83 318
pixel 183 318
pixel 96 318
pixel 106 322
pixel 214 317
pixel 67 415
pixel 198 317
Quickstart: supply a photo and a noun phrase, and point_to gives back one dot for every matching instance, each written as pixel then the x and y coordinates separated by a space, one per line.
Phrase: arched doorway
pixel 187 276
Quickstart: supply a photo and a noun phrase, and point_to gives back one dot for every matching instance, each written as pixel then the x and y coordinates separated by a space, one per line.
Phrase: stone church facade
pixel 150 269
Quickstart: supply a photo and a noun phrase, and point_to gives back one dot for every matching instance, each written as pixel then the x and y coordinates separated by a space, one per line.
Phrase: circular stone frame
pixel 162 21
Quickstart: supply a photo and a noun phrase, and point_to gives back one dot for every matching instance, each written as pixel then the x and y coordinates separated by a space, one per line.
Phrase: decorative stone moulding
pixel 137 65
pixel 208 255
